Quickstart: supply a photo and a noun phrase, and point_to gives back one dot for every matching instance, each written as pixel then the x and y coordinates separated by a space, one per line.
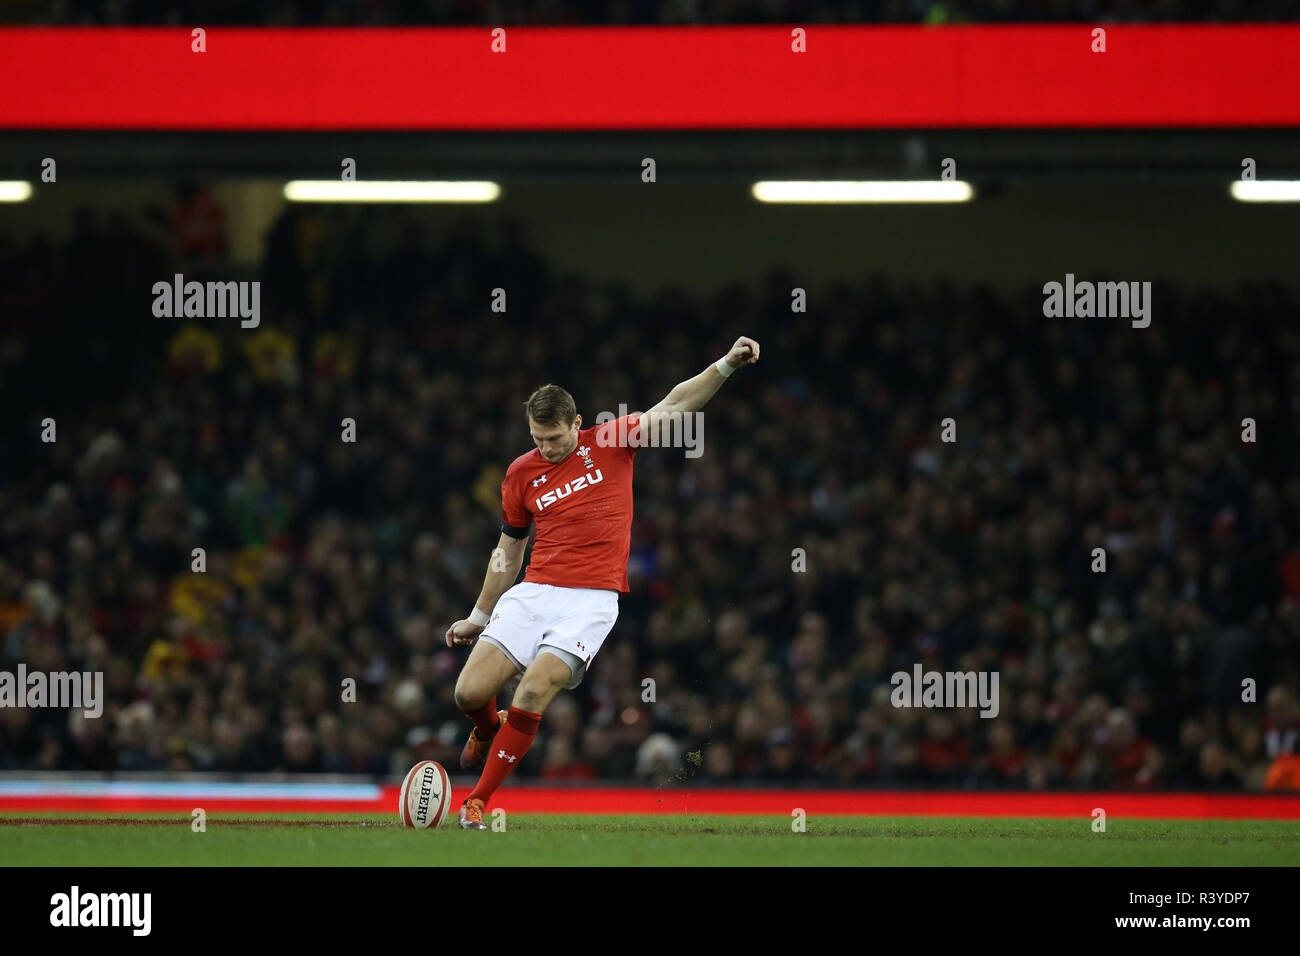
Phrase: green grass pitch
pixel 52 839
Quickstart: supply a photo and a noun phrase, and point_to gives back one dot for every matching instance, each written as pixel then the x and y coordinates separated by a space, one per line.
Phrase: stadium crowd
pixel 353 13
pixel 827 538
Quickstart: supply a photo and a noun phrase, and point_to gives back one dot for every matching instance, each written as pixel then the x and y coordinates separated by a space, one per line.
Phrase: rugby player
pixel 576 488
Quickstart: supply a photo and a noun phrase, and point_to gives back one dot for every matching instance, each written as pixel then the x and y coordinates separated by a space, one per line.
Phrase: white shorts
pixel 572 623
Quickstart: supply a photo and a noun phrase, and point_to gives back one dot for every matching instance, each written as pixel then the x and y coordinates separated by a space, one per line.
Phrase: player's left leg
pixel 546 676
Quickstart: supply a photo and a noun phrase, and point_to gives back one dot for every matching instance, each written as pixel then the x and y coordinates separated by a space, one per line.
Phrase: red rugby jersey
pixel 582 507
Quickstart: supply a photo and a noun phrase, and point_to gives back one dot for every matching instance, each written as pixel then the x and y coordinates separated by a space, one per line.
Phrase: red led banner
pixel 554 78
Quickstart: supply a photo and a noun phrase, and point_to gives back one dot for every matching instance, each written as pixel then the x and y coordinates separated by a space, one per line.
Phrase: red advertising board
pixel 553 78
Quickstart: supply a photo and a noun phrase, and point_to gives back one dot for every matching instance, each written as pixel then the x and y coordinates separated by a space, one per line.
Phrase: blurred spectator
pixel 560 763
pixel 198 226
pixel 1282 739
pixel 1215 769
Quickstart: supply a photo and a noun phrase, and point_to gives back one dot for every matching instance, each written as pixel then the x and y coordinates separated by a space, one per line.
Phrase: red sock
pixel 485 719
pixel 508 748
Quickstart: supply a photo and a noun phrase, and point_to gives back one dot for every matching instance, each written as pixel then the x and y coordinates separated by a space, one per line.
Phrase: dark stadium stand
pixel 328 560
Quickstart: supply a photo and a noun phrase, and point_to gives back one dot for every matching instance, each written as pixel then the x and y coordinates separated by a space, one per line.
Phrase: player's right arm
pixel 502 571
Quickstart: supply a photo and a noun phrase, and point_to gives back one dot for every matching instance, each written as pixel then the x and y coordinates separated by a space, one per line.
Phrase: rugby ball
pixel 425 796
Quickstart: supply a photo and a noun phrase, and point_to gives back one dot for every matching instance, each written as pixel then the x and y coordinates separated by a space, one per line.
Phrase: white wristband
pixel 722 367
pixel 478 618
